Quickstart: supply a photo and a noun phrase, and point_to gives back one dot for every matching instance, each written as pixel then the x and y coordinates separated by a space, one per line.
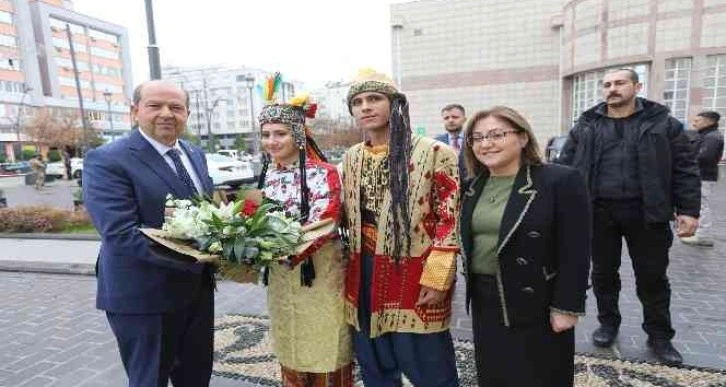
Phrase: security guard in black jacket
pixel 641 169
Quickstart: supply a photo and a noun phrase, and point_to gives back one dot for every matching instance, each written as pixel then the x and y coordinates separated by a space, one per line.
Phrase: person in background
pixel 67 163
pixel 525 232
pixel 641 170
pixel 709 142
pixel 454 117
pixel 37 165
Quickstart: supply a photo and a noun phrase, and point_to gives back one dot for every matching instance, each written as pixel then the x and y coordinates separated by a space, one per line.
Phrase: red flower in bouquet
pixel 249 207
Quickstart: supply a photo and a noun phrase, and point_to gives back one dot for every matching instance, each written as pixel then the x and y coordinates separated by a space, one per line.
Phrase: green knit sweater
pixel 486 222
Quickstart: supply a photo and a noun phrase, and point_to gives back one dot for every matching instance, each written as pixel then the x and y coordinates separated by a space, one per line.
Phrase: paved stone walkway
pixel 51 334
pixel 58 193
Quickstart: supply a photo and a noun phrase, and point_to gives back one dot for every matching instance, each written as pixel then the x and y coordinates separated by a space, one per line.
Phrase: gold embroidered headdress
pixel 399 152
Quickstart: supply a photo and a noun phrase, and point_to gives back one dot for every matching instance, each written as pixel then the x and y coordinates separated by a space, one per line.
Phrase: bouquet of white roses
pixel 245 235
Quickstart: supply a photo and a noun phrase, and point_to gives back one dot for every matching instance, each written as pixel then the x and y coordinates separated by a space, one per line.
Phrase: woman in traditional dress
pixel 525 232
pixel 305 296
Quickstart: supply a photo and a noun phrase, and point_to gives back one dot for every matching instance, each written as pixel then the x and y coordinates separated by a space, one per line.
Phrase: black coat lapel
pixel 523 193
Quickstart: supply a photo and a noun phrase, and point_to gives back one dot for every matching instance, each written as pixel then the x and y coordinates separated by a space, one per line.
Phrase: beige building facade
pixel 546 57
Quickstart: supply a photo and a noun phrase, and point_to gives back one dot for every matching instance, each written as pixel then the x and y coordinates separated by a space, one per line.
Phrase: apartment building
pixel 37 72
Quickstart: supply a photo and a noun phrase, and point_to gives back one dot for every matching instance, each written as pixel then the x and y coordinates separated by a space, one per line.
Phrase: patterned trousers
pixel 343 377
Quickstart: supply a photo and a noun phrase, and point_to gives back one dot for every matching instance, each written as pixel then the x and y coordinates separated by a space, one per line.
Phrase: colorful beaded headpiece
pixel 292 114
pixel 370 80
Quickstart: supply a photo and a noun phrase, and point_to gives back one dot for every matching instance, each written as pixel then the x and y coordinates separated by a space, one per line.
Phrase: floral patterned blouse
pixel 282 183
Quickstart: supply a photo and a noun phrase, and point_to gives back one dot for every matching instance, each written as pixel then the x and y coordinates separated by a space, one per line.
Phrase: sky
pixel 313 41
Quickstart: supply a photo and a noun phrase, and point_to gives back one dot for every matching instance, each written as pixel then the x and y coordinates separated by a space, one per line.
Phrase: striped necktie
pixel 181 171
pixel 455 143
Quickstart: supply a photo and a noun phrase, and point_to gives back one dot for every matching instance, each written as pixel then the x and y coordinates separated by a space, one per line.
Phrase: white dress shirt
pixel 163 149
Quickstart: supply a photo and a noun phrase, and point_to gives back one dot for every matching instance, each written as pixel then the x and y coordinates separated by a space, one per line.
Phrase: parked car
pixel 58 170
pixel 237 155
pixel 15 168
pixel 554 147
pixel 227 171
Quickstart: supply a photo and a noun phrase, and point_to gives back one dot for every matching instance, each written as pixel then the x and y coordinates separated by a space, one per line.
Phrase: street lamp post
pixel 20 113
pixel 250 83
pixel 107 95
pixel 210 111
pixel 153 49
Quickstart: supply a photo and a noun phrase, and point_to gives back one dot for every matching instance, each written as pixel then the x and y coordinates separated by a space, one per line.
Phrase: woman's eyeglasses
pixel 494 135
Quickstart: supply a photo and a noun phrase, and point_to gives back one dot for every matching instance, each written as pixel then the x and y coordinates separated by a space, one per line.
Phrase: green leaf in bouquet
pixel 239 248
pixel 266 244
pixel 227 249
pixel 237 206
pixel 266 257
pixel 205 242
pixel 217 221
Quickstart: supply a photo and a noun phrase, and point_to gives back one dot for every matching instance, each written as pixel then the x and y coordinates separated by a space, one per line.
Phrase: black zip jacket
pixel 709 143
pixel 667 168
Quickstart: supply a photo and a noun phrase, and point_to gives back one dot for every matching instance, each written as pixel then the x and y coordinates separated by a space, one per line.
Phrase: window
pixel 106 70
pixel 98 35
pixel 10 64
pixel 101 86
pixel 714 84
pixel 63 43
pixel 67 63
pixel 587 87
pixel 60 25
pixel 64 81
pixel 95 116
pixel 676 87
pixel 100 52
pixel 8 40
pixel 6 17
pixel 12 87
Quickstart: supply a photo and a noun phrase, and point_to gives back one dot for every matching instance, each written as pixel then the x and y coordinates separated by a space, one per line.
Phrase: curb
pixel 68 237
pixel 48 267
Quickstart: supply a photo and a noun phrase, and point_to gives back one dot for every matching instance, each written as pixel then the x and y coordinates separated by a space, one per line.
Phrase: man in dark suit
pixel 454 117
pixel 160 308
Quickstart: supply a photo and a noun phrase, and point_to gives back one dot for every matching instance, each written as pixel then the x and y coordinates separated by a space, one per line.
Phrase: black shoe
pixel 665 351
pixel 604 336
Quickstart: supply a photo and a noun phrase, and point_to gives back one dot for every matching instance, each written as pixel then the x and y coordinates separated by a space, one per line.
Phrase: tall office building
pixel 546 57
pixel 37 73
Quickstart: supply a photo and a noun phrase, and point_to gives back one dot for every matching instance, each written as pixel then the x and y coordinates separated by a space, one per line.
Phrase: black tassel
pixel 265 276
pixel 307 272
pixel 307 268
pixel 263 172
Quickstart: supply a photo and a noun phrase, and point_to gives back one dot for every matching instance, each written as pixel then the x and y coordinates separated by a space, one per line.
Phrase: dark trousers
pixel 648 245
pixel 426 359
pixel 520 356
pixel 176 345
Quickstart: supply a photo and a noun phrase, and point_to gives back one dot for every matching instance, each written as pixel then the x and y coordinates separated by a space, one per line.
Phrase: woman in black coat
pixel 525 230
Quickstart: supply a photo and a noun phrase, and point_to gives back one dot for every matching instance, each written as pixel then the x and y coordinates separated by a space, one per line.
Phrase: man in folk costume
pixel 400 197
pixel 305 296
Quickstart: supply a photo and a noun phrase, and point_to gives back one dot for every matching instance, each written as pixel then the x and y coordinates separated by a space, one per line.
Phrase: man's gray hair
pixel 137 95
